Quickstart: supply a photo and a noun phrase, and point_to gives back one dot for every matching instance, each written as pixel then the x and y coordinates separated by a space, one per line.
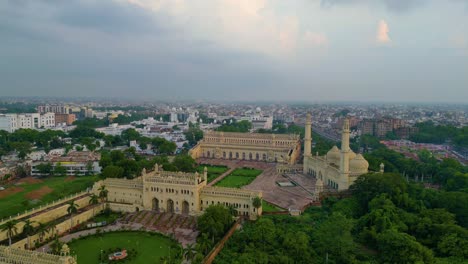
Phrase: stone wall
pixel 48 215
pixel 61 227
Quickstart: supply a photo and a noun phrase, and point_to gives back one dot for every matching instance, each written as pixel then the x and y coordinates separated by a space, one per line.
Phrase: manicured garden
pixel 239 177
pixel 213 171
pixel 144 247
pixel 30 193
pixel 268 207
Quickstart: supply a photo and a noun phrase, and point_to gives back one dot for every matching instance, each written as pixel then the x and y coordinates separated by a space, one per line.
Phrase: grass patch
pixel 239 177
pixel 268 207
pixel 18 202
pixel 150 247
pixel 213 171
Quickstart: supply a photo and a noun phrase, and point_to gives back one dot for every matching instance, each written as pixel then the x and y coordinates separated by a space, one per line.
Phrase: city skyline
pixel 308 51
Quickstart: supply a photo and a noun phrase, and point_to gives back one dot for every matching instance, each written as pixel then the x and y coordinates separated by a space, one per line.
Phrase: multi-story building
pixel 12 122
pixel 65 119
pixel 176 192
pixel 58 109
pixel 248 146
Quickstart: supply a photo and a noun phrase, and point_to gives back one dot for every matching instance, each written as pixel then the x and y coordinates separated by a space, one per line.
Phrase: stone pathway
pixel 220 177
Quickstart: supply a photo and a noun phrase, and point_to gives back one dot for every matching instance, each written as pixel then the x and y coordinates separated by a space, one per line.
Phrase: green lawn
pixel 150 247
pixel 239 178
pixel 268 207
pixel 17 202
pixel 213 171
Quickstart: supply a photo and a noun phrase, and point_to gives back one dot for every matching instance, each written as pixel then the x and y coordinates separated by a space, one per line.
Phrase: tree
pixel 60 170
pixel 28 230
pixel 189 252
pixel 113 172
pixel 215 221
pixel 43 229
pixel 130 135
pixel 184 163
pixel 103 193
pixel 10 228
pixel 72 209
pixel 257 203
pixel 333 239
pixel 93 200
pixel 193 135
pixel 397 247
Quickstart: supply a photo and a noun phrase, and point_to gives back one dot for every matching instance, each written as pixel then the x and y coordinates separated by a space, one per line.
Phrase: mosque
pixel 339 168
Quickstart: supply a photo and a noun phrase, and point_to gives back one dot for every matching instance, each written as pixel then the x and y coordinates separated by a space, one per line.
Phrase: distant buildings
pixel 381 127
pixel 67 119
pixel 12 122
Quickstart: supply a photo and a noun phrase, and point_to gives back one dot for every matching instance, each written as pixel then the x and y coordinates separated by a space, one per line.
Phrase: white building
pixel 12 122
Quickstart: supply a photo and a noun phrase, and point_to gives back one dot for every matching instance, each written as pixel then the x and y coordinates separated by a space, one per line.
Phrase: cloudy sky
pixel 309 50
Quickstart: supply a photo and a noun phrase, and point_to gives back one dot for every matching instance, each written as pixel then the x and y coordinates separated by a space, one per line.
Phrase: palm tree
pixel 103 193
pixel 42 230
pixel 204 243
pixel 189 252
pixel 257 203
pixel 10 228
pixel 93 200
pixel 28 230
pixel 72 209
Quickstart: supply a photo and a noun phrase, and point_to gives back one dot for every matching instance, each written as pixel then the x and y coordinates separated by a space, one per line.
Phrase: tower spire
pixel 345 150
pixel 308 136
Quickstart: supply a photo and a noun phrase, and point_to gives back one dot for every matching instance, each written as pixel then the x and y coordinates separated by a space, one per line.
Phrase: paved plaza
pixel 296 197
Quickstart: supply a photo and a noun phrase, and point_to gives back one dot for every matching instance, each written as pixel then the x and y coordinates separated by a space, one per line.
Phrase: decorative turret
pixel 382 167
pixel 205 174
pixel 308 136
pixel 318 186
pixel 156 167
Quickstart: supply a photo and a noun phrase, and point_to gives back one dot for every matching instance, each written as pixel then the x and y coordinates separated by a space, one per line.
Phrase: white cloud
pixel 315 39
pixel 246 25
pixel 382 33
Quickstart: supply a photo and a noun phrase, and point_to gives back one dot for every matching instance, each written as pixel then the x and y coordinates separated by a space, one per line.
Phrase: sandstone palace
pixel 249 146
pixel 175 192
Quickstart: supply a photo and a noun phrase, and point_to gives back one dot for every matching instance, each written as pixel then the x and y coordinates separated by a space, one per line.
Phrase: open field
pixel 29 192
pixel 150 247
pixel 239 177
pixel 213 171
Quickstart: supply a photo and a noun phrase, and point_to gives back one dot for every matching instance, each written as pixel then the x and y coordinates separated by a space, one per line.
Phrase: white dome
pixel 333 155
pixel 358 164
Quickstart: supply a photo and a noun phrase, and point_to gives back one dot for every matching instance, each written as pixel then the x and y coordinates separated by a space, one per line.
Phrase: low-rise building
pixel 76 163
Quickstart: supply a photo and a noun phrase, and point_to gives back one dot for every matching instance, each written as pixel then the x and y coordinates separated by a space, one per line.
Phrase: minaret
pixel 345 150
pixel 308 136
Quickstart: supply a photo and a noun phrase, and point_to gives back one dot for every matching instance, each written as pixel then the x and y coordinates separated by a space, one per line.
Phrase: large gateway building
pixel 175 192
pixel 249 146
pixel 340 167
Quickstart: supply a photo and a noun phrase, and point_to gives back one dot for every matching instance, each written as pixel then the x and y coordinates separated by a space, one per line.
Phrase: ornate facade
pixel 248 146
pixel 21 256
pixel 176 192
pixel 339 168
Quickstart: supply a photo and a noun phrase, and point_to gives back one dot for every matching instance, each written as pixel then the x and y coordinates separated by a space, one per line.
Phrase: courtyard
pixel 148 247
pixel 296 197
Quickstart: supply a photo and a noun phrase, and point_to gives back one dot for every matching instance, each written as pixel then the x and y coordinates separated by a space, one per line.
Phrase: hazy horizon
pixel 389 51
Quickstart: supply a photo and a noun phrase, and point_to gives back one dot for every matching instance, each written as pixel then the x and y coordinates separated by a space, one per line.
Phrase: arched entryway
pixel 170 206
pixel 155 204
pixel 185 208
